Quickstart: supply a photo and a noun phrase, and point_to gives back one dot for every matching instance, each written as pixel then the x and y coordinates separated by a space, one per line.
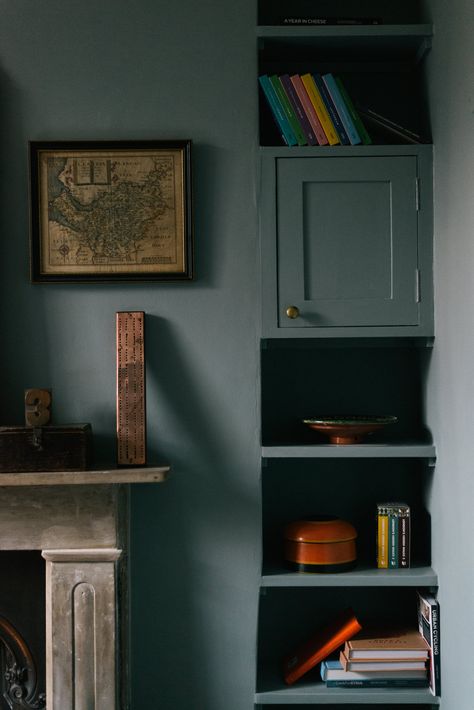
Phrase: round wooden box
pixel 320 544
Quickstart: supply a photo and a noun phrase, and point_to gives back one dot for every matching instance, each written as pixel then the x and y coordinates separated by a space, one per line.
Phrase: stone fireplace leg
pixel 81 629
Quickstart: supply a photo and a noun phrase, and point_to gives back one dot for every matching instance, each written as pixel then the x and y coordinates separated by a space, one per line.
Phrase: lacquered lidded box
pixel 320 544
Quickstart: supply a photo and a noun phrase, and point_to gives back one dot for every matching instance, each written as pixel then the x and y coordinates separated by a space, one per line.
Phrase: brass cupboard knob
pixel 292 312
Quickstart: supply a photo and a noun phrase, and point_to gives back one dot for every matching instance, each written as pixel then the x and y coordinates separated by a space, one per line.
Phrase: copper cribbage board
pixel 131 416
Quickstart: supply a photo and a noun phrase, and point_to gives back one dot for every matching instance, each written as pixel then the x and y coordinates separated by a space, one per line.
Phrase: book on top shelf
pixel 361 129
pixel 429 627
pixel 277 112
pixel 299 109
pixel 324 642
pixel 331 109
pixel 389 127
pixel 387 644
pixel 309 109
pixel 288 109
pixel 322 21
pixel 341 109
pixel 320 108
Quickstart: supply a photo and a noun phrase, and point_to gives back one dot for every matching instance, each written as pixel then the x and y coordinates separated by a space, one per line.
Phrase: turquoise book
pixel 277 111
pixel 341 108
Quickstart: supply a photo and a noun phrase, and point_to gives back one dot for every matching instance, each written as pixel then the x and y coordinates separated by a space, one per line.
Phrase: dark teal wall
pixel 144 70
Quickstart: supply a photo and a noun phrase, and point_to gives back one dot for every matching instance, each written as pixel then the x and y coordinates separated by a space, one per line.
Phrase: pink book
pixel 309 108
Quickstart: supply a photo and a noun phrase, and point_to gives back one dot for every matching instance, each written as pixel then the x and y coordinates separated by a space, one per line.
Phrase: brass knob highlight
pixel 292 312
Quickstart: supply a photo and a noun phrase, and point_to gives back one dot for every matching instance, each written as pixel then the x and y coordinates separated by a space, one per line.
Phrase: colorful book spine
pixel 288 109
pixel 277 111
pixel 341 109
pixel 320 108
pixel 338 125
pixel 393 538
pixel 361 129
pixel 309 109
pixel 393 535
pixel 404 540
pixel 382 537
pixel 299 109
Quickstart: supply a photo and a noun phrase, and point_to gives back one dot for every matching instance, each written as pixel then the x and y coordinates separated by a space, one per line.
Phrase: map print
pixel 111 212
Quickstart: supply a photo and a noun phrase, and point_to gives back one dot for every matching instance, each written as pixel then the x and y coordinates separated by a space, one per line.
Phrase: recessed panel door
pixel 347 241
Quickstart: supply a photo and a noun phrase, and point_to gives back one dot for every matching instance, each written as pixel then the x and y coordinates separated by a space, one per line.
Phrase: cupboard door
pixel 347 241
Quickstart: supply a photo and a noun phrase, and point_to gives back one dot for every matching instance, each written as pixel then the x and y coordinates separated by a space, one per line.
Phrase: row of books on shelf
pixel 316 109
pixel 353 657
pixel 393 535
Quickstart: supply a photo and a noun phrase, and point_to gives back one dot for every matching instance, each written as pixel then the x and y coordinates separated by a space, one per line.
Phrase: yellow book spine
pixel 320 108
pixel 382 541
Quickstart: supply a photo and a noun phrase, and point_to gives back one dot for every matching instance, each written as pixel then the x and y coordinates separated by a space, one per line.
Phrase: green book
pixel 288 109
pixel 366 139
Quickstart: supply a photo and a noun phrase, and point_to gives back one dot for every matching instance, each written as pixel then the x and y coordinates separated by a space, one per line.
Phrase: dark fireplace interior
pixel 22 630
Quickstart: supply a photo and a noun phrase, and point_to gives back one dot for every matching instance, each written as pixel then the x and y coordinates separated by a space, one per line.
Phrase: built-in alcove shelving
pixel 381 65
pixel 347 329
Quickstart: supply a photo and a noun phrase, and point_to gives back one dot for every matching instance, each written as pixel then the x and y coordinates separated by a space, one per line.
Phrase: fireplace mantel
pixel 79 522
pixel 146 474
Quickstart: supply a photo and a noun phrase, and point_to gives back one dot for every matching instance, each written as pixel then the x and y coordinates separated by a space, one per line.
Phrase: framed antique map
pixel 111 211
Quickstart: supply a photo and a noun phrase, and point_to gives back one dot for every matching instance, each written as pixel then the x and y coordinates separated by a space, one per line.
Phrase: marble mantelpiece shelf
pixel 147 474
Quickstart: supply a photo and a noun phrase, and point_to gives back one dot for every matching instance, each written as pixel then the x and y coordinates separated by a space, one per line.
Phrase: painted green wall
pixel 451 381
pixel 153 70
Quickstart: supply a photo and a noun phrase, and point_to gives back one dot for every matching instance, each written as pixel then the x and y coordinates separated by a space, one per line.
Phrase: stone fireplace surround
pixel 79 522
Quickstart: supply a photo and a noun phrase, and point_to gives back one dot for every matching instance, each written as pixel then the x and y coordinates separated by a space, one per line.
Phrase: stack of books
pixel 313 109
pixel 393 535
pixel 384 659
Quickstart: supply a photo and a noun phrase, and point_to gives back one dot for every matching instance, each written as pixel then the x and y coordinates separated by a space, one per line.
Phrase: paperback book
pixel 277 112
pixel 388 127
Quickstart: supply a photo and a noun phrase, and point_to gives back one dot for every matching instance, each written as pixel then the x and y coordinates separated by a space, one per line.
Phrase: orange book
pixel 319 646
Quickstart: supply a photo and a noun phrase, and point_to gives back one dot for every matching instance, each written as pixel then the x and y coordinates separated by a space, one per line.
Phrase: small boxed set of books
pixel 393 535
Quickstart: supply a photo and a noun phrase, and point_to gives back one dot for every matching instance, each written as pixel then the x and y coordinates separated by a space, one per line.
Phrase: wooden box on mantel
pixel 46 448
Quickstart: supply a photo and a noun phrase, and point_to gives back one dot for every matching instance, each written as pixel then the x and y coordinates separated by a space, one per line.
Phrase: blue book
pixel 277 110
pixel 328 102
pixel 334 675
pixel 341 108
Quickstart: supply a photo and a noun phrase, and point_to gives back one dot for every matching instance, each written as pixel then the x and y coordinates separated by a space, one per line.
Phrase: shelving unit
pixel 349 360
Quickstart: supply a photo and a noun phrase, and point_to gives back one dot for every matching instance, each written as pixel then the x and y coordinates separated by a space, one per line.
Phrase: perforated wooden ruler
pixel 131 415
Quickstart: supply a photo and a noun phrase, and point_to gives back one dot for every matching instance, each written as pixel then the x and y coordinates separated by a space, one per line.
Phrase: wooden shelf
pixel 360 577
pixel 401 450
pixel 147 474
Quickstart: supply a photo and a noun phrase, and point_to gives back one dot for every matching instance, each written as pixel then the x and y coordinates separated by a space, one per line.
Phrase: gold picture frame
pixel 110 211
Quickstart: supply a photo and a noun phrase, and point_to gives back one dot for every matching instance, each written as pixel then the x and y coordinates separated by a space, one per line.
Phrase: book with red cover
pixel 320 645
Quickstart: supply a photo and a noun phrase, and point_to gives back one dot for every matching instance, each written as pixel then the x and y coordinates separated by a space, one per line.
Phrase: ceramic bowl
pixel 348 430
